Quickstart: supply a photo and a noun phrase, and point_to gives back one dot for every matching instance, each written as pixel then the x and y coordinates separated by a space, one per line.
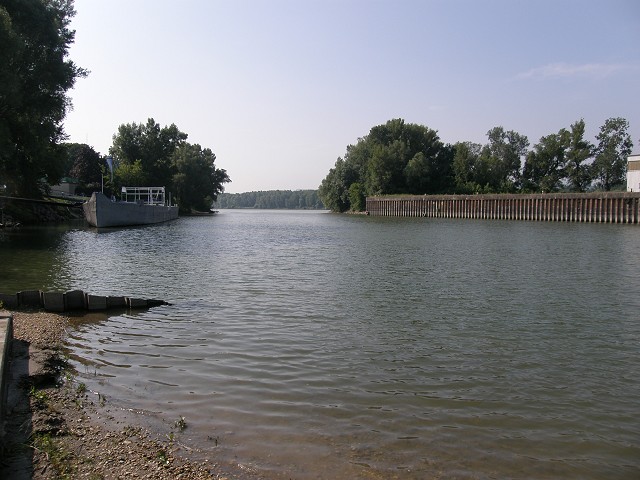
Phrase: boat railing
pixel 146 195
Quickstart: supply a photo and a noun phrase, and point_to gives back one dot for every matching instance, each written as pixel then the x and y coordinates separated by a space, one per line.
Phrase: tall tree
pixel 466 166
pixel 35 76
pixel 614 146
pixel 395 157
pixel 334 189
pixel 579 150
pixel 544 167
pixel 503 154
pixel 150 143
pixel 86 164
pixel 196 181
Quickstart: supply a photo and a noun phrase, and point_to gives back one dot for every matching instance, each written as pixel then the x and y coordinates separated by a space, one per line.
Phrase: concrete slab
pixel 6 337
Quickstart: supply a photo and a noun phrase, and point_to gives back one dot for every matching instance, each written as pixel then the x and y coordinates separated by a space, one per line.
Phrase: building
pixel 67 186
pixel 633 173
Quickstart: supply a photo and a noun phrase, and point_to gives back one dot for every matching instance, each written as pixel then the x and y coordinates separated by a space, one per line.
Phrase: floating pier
pixel 601 207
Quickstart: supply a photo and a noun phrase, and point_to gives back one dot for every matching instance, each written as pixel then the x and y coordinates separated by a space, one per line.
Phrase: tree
pixel 34 79
pixel 357 197
pixel 127 174
pixel 503 156
pixel 395 157
pixel 150 143
pixel 86 164
pixel 196 181
pixel 149 154
pixel 385 171
pixel 579 150
pixel 334 189
pixel 614 146
pixel 544 167
pixel 466 164
pixel 296 199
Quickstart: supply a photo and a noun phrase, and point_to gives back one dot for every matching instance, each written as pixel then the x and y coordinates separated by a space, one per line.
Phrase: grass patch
pixel 181 424
pixel 57 456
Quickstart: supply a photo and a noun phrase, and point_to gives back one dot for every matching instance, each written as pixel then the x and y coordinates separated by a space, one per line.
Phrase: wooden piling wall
pixel 602 207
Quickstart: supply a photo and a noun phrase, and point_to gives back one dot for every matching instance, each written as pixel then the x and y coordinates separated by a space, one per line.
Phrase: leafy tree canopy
pixel 614 146
pixel 84 163
pixel 152 155
pixel 401 158
pixel 396 157
pixel 35 76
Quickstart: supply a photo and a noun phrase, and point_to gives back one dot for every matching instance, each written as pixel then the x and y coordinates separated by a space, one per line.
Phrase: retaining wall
pixel 602 207
pixel 6 337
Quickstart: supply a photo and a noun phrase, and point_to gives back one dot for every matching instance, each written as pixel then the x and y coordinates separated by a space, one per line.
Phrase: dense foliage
pixel 401 158
pixel 85 165
pixel 35 76
pixel 151 155
pixel 296 199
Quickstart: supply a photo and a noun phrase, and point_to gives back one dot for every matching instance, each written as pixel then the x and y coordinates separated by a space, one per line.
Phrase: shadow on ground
pixel 16 453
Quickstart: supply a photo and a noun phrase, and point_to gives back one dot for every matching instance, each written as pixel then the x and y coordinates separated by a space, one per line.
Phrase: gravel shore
pixel 59 430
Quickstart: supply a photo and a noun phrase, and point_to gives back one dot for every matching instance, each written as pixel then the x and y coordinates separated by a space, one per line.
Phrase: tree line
pixel 35 76
pixel 271 199
pixel 406 158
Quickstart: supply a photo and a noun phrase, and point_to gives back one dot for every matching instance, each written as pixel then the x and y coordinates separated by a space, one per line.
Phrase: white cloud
pixel 567 70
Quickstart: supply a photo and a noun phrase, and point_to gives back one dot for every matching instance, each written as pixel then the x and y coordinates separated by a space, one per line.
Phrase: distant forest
pixel 290 199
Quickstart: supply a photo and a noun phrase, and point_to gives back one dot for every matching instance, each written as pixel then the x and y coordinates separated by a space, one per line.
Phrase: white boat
pixel 138 206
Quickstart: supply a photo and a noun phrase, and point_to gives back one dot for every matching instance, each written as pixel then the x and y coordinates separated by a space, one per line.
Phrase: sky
pixel 278 89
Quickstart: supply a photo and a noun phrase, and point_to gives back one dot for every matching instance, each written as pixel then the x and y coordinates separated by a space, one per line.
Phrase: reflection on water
pixel 313 345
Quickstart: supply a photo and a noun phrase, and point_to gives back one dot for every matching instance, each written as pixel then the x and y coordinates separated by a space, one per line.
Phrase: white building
pixel 633 173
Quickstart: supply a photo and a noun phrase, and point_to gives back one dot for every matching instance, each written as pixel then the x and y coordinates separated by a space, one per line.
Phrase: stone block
pixel 116 302
pixel 9 301
pixel 74 300
pixel 30 298
pixel 96 302
pixel 53 301
pixel 136 302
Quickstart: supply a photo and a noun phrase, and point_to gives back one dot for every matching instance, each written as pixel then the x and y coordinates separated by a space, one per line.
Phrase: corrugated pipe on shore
pixel 72 301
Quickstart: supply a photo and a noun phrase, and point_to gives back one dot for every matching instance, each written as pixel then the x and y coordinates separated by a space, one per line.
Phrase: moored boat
pixel 138 206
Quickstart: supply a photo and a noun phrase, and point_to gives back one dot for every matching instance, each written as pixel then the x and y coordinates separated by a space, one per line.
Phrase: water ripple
pixel 323 346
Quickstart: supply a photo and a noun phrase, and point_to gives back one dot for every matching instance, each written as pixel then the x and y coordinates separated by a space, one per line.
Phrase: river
pixel 309 345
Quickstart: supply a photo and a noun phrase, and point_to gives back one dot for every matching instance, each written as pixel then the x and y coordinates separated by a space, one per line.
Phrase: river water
pixel 310 345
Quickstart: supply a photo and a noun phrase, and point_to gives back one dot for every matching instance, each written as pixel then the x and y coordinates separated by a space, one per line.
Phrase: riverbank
pixel 58 429
pixel 25 211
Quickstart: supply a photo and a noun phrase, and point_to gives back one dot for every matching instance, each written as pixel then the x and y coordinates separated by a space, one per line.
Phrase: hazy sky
pixel 277 89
